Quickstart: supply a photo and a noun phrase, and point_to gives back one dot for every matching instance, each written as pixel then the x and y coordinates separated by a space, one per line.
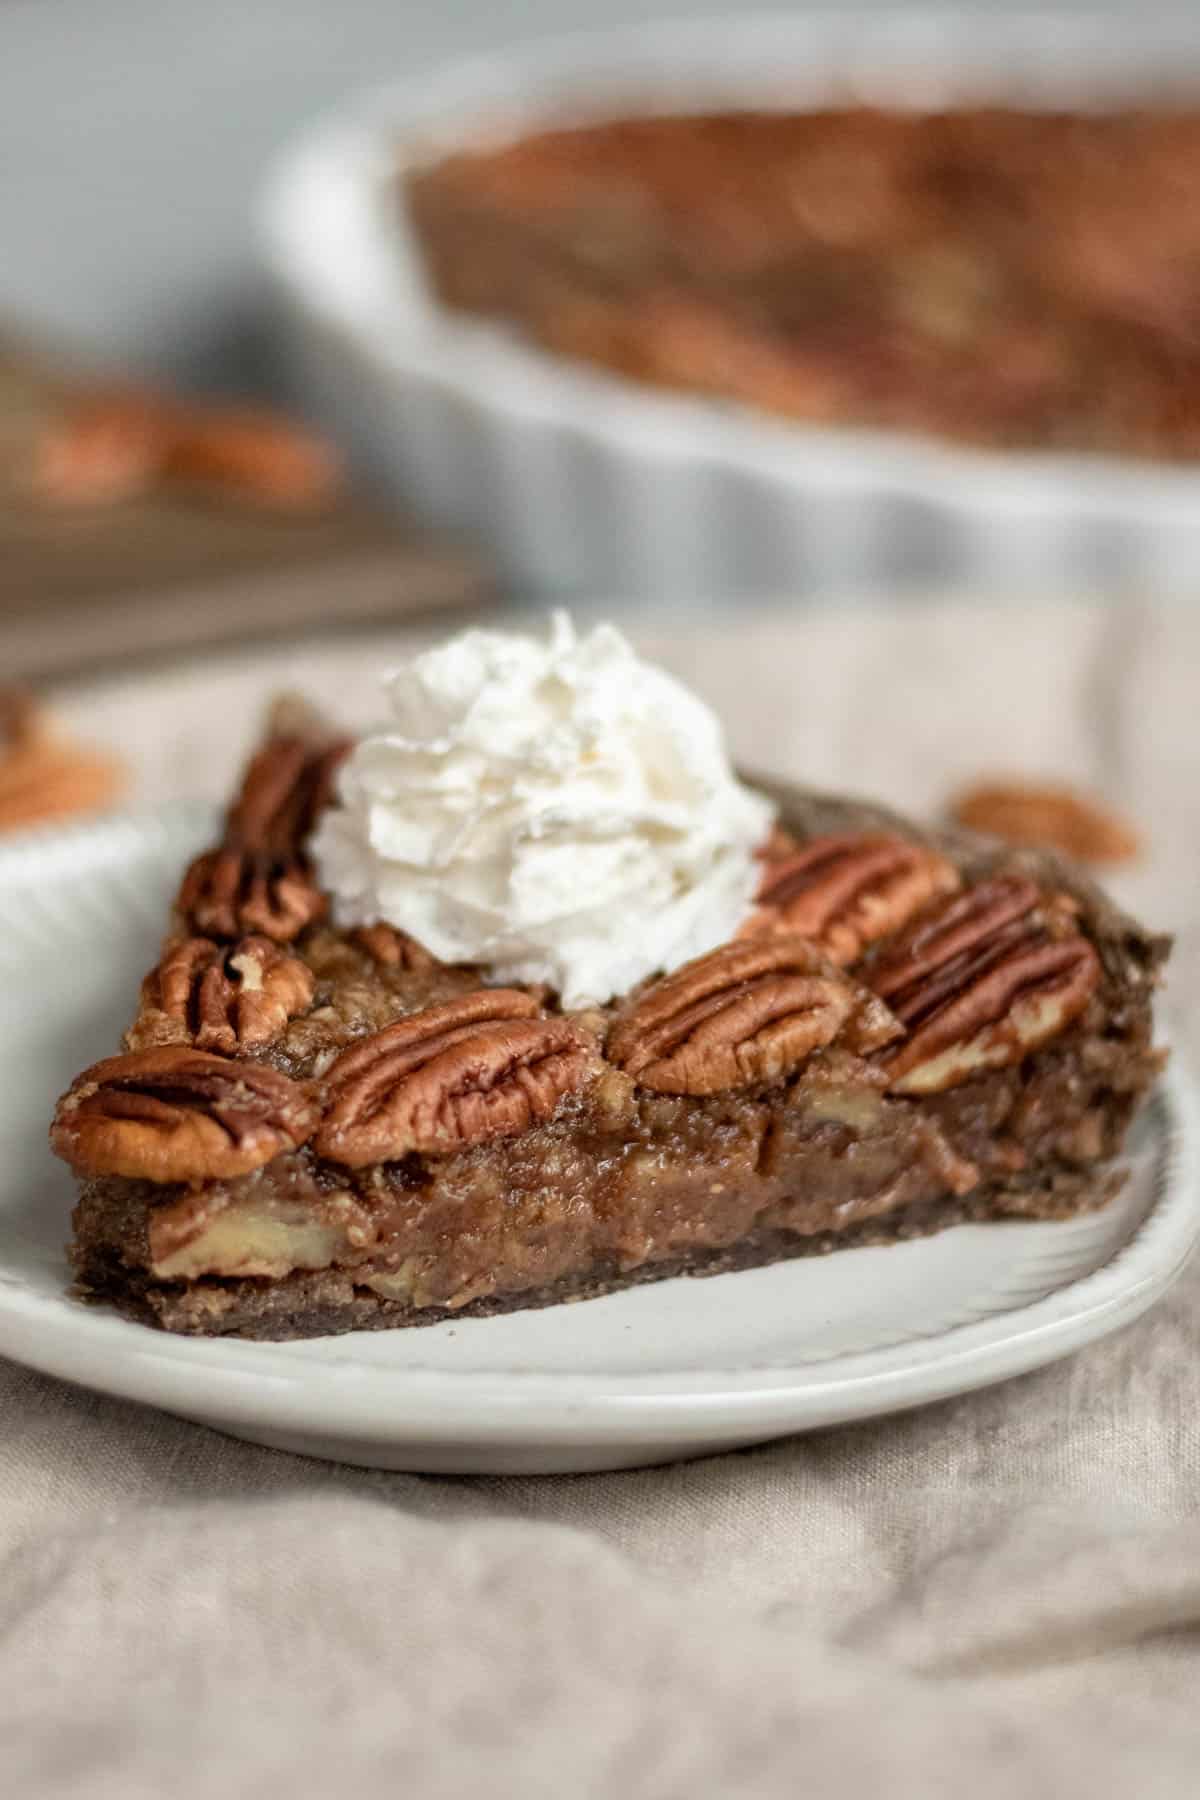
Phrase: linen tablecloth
pixel 998 1596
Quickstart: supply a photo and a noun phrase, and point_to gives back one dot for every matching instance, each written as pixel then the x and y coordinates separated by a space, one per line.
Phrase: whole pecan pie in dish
pixel 1003 276
pixel 316 1125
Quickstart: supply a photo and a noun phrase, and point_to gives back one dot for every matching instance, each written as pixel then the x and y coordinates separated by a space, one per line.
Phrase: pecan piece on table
pixel 42 776
pixel 393 949
pixel 106 447
pixel 219 997
pixel 989 977
pixel 255 456
pixel 116 443
pixel 846 892
pixel 748 1013
pixel 1047 814
pixel 482 1066
pixel 22 719
pixel 177 1114
pixel 49 781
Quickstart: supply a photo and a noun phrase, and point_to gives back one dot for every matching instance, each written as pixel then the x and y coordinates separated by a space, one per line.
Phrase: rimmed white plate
pixel 670 1370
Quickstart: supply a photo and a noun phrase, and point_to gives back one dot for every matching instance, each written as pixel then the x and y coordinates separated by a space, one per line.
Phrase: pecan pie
pixel 315 1130
pixel 1006 277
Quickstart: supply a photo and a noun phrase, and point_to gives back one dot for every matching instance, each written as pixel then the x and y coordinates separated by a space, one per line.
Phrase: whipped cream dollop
pixel 558 810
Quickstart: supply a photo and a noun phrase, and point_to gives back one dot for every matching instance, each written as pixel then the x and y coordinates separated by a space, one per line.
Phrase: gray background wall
pixel 133 134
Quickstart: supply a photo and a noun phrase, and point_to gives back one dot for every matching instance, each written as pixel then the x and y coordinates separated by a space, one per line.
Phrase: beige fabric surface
pixel 998 1596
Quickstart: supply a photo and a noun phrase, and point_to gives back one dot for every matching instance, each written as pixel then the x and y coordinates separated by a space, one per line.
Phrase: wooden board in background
pixel 163 573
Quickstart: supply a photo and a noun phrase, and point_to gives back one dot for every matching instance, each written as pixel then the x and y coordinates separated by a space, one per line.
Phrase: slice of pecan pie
pixel 316 1130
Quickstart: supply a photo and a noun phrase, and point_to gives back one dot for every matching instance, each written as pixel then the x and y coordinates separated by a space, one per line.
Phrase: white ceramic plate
pixel 573 477
pixel 665 1371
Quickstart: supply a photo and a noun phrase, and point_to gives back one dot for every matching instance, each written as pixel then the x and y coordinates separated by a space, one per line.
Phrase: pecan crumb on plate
pixel 1050 815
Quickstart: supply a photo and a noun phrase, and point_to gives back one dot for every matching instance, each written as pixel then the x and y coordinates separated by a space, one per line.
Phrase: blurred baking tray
pixel 573 477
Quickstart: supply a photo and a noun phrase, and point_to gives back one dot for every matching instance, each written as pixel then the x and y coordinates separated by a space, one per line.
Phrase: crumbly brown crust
pixel 445 1148
pixel 986 274
pixel 328 1302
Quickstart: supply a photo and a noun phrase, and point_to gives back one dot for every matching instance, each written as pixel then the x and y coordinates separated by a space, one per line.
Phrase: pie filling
pixel 584 1191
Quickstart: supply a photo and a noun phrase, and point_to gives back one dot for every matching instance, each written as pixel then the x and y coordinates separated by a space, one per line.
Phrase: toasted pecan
pixel 1021 1002
pixel 105 447
pixel 957 936
pixel 286 786
pixel 981 981
pixel 748 1013
pixel 22 718
pixel 845 892
pixel 53 782
pixel 1047 814
pixel 175 1114
pixel 230 891
pixel 41 775
pixel 255 456
pixel 113 444
pixel 482 1066
pixel 221 997
pixel 260 879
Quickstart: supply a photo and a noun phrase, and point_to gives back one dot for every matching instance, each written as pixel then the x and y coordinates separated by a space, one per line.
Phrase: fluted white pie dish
pixel 670 1370
pixel 572 477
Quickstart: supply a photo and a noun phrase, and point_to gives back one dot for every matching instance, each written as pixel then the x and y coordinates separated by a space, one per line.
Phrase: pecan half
pixel 255 457
pixel 287 784
pixel 41 776
pixel 981 982
pixel 393 949
pixel 482 1066
pixel 233 890
pixel 751 1012
pixel 22 718
pixel 1047 813
pixel 111 445
pixel 925 963
pixel 845 892
pixel 48 781
pixel 178 1114
pixel 260 879
pixel 105 447
pixel 221 998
